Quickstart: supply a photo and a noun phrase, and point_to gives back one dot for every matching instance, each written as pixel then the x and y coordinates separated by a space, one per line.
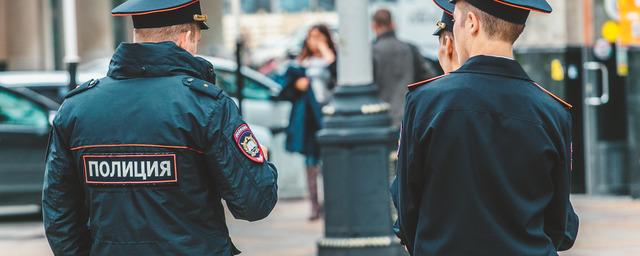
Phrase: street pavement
pixel 610 226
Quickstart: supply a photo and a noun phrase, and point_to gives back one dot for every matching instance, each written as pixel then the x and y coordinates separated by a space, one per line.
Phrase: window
pixel 16 110
pixel 254 6
pixel 252 89
pixel 294 5
pixel 327 5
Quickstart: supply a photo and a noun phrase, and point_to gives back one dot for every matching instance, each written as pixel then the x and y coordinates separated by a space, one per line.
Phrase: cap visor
pixel 203 25
pixel 437 32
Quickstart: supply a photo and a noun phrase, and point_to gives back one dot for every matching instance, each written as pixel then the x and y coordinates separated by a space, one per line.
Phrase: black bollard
pixel 633 106
pixel 357 140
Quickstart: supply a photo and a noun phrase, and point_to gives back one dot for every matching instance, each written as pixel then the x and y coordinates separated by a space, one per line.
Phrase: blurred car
pixel 52 84
pixel 25 121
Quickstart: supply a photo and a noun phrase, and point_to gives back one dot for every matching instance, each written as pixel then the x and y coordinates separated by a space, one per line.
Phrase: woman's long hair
pixel 324 30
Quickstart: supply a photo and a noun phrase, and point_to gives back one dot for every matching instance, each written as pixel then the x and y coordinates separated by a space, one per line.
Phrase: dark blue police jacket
pixel 139 161
pixel 484 165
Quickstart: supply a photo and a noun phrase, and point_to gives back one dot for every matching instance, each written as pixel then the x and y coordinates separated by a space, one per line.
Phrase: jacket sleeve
pixel 410 178
pixel 394 197
pixel 64 215
pixel 289 91
pixel 561 222
pixel 249 186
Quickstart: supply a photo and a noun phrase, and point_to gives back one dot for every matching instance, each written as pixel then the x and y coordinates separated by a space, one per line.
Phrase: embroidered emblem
pixel 248 144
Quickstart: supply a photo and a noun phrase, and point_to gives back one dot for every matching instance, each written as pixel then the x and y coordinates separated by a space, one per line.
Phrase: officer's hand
pixel 302 84
pixel 265 151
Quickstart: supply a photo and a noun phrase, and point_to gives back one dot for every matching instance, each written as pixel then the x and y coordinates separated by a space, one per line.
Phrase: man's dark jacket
pixel 158 111
pixel 396 64
pixel 484 165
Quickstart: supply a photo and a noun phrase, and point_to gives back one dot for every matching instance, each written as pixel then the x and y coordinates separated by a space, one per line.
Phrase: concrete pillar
pixel 25 35
pixel 562 27
pixel 95 29
pixel 356 125
pixel 3 37
pixel 355 45
pixel 47 23
pixel 212 42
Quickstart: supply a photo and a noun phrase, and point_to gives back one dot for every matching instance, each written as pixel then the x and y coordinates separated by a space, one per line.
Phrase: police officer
pixel 139 161
pixel 485 153
pixel 447 56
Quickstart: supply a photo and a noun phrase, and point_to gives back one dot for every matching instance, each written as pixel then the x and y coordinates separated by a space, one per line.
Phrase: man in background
pixel 395 64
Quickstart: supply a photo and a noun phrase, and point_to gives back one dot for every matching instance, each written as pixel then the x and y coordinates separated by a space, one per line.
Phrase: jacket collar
pixel 494 65
pixel 388 34
pixel 133 60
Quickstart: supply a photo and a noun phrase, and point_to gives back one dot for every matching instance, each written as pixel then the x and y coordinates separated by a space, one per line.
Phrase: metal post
pixel 236 10
pixel 70 40
pixel 356 141
pixel 633 105
pixel 239 78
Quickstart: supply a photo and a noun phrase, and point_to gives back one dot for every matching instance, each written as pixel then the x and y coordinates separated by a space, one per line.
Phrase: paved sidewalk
pixel 610 226
pixel 285 232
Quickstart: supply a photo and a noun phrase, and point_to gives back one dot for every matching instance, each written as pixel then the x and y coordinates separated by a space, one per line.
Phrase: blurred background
pixel 586 51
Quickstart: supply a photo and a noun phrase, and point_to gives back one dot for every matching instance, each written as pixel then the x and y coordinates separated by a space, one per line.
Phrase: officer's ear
pixel 472 23
pixel 449 45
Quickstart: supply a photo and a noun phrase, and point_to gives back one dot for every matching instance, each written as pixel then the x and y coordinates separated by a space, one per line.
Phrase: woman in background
pixel 310 81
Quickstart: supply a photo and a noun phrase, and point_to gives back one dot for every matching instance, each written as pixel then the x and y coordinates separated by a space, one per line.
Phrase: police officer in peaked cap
pixel 447 56
pixel 485 152
pixel 139 161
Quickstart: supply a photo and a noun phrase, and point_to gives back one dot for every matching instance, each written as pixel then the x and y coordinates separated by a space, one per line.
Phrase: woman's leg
pixel 313 168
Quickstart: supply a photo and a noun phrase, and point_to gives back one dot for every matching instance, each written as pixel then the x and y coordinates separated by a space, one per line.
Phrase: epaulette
pixel 558 99
pixel 418 84
pixel 82 88
pixel 203 87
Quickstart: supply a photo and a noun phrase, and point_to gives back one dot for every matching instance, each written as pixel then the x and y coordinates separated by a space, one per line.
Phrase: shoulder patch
pixel 246 141
pixel 82 88
pixel 558 99
pixel 203 87
pixel 418 84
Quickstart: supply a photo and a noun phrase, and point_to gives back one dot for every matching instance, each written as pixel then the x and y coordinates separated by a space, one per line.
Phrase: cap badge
pixel 200 17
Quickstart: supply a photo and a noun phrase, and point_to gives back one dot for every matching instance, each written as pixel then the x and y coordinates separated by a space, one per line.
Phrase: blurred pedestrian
pixel 139 161
pixel 310 82
pixel 485 153
pixel 395 64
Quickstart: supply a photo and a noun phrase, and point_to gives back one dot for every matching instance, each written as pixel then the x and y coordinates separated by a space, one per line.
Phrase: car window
pixel 252 89
pixel 17 110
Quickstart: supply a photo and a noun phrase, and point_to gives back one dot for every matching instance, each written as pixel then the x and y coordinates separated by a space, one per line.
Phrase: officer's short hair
pixel 382 18
pixel 495 27
pixel 445 34
pixel 169 33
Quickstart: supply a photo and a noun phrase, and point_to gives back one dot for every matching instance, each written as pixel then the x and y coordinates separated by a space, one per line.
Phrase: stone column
pixel 562 27
pixel 212 42
pixel 356 141
pixel 3 37
pixel 25 35
pixel 95 29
